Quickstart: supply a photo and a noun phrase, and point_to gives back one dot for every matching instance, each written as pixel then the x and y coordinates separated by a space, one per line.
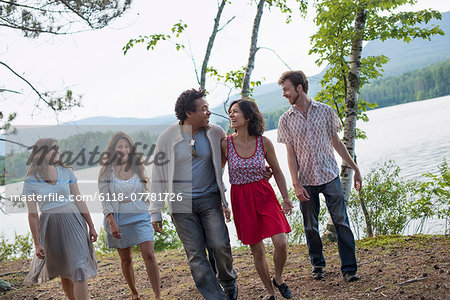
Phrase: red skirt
pixel 257 212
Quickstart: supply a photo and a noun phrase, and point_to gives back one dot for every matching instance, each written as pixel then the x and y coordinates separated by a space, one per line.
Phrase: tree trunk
pixel 366 215
pixel 351 102
pixel 212 37
pixel 253 49
pixel 351 99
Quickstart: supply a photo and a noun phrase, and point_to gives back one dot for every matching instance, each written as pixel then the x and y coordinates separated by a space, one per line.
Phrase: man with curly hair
pixel 194 174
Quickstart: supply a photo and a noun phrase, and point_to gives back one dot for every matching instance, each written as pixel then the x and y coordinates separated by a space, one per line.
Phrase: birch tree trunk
pixel 212 37
pixel 253 49
pixel 351 101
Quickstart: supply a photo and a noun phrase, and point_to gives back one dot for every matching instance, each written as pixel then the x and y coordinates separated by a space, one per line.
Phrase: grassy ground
pixel 391 267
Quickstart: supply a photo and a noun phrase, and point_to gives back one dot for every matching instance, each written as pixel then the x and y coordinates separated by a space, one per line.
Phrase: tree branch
pixel 30 7
pixel 228 22
pixel 17 143
pixel 253 48
pixel 30 85
pixel 412 280
pixel 11 91
pixel 24 28
pixel 77 13
pixel 191 56
pixel 219 115
pixel 276 54
pixel 212 37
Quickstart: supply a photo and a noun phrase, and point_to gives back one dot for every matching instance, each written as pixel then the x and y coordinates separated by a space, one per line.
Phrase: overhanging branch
pixel 29 84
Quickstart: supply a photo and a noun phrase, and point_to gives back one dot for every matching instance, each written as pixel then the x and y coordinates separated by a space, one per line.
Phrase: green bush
pixel 100 245
pixel 386 197
pixel 168 239
pixel 434 196
pixel 393 202
pixel 21 248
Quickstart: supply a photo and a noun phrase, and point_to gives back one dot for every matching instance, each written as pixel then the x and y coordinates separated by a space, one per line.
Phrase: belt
pixel 125 201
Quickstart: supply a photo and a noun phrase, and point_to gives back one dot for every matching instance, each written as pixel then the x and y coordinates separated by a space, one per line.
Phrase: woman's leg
pixel 259 257
pixel 279 255
pixel 67 286
pixel 126 261
pixel 151 265
pixel 80 290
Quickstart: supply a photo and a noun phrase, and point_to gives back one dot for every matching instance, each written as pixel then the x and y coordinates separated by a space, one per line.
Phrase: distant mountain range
pixel 403 58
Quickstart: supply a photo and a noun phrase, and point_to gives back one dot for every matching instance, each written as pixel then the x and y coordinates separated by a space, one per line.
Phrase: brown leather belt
pixel 125 201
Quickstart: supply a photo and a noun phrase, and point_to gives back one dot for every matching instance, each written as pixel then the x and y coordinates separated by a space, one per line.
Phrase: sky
pixel 144 84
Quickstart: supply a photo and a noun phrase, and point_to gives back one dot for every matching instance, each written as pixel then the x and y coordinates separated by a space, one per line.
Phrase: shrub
pixel 393 202
pixel 434 196
pixel 21 248
pixel 386 197
pixel 168 239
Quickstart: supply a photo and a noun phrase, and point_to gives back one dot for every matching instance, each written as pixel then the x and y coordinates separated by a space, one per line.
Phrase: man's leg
pixel 212 260
pixel 310 210
pixel 217 239
pixel 190 231
pixel 336 206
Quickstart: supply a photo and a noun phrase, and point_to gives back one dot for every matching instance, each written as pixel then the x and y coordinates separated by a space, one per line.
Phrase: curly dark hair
pixel 186 102
pixel 256 124
pixel 296 77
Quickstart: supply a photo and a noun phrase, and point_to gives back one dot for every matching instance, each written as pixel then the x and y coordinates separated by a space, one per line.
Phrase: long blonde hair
pixel 110 158
pixel 38 166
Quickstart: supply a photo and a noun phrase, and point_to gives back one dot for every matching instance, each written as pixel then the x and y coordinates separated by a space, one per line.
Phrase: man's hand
pixel 93 234
pixel 157 226
pixel 227 213
pixel 287 206
pixel 268 173
pixel 301 193
pixel 357 179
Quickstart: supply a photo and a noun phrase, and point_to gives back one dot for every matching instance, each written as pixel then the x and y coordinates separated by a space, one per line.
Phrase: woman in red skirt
pixel 257 212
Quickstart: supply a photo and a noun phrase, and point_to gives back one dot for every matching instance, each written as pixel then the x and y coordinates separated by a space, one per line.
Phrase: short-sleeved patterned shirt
pixel 311 139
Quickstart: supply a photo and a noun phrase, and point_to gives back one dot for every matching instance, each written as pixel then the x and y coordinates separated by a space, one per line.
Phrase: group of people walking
pixel 196 152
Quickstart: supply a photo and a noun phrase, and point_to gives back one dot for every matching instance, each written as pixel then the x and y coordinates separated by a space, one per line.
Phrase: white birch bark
pixel 209 47
pixel 253 49
pixel 351 101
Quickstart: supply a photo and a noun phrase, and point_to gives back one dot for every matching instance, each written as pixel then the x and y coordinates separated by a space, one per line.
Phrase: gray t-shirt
pixel 194 175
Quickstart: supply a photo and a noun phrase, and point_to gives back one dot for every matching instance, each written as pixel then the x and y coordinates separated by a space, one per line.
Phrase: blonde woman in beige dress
pixel 60 233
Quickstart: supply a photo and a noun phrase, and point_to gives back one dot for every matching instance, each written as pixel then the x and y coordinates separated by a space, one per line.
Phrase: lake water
pixel 416 135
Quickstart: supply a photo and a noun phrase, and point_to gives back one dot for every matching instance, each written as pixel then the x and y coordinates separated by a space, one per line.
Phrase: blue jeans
pixel 205 227
pixel 334 199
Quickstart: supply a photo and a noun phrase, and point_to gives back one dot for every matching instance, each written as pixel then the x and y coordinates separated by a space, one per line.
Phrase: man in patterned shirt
pixel 309 130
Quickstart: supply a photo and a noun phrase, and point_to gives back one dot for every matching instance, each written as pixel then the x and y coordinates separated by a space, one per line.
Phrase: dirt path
pixel 391 267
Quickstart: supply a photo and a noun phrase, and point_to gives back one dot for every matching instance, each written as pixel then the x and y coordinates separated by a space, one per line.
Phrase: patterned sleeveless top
pixel 245 170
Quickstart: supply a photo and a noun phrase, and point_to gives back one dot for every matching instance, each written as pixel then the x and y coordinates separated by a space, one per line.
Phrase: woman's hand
pixel 287 206
pixel 115 230
pixel 93 234
pixel 40 252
